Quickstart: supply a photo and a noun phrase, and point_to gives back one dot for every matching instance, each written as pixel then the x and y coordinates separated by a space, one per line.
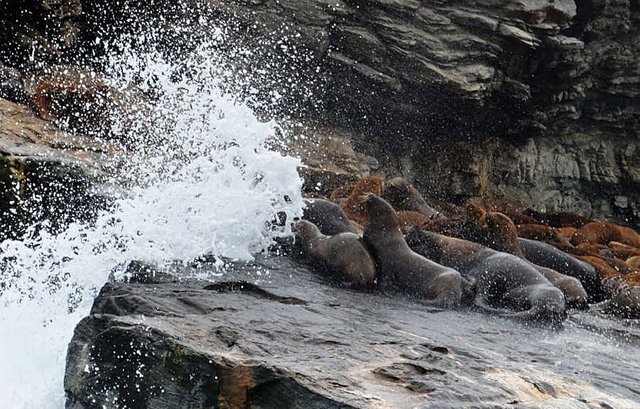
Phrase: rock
pixel 417 83
pixel 272 334
pixel 328 156
pixel 45 174
pixel 35 32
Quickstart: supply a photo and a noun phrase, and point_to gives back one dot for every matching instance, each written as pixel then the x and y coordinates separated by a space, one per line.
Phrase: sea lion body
pixel 634 262
pixel 401 267
pixel 603 233
pixel 343 255
pixel 546 255
pixel 623 251
pixel 502 280
pixel 574 293
pixel 327 216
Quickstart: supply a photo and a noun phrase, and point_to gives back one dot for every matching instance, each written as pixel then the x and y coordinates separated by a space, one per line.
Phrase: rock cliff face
pixel 535 102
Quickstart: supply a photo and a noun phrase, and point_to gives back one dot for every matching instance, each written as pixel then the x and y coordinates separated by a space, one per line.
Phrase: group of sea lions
pixel 526 265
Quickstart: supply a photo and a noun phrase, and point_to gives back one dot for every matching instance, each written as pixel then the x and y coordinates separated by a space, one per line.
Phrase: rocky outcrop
pixel 271 334
pixel 45 173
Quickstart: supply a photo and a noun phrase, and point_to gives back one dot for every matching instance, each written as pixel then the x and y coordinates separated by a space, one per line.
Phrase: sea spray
pixel 197 178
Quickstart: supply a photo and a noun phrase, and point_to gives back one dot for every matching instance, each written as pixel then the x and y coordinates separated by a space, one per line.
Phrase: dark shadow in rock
pixel 251 289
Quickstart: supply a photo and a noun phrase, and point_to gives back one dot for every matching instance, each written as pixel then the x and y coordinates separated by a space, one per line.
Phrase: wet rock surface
pixel 45 173
pixel 273 334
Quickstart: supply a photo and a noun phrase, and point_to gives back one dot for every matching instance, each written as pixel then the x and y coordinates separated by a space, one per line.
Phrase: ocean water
pixel 199 177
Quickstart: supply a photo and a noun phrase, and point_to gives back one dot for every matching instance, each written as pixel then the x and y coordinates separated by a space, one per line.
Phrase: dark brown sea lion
pixel 403 196
pixel 342 255
pixel 401 267
pixel 491 229
pixel 503 281
pixel 327 216
pixel 558 219
pixel 546 255
pixel 541 232
pixel 625 301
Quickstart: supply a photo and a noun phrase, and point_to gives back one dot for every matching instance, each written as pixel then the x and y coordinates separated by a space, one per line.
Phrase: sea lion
pixel 327 216
pixel 599 250
pixel 354 206
pixel 491 229
pixel 401 267
pixel 575 295
pixel 342 255
pixel 541 232
pixel 558 219
pixel 603 233
pixel 502 280
pixel 634 262
pixel 546 255
pixel 624 303
pixel 403 196
pixel 623 251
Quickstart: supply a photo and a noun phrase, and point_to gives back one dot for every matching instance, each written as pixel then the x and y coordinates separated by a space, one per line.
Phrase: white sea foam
pixel 200 179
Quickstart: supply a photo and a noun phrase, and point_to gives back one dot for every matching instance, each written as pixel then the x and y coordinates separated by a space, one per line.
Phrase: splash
pixel 199 177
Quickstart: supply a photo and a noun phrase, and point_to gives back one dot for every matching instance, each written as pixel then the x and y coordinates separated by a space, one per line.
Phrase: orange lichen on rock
pixel 603 233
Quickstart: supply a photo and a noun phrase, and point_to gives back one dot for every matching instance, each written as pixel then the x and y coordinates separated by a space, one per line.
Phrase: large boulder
pixel 271 334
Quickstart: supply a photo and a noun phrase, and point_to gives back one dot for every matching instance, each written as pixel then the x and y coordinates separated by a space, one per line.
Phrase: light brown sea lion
pixel 566 232
pixel 634 262
pixel 603 233
pixel 403 196
pixel 401 267
pixel 598 249
pixel 622 251
pixel 503 281
pixel 410 219
pixel 342 255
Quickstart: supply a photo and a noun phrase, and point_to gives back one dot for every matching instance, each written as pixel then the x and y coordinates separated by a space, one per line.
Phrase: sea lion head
pixel 380 211
pixel 306 230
